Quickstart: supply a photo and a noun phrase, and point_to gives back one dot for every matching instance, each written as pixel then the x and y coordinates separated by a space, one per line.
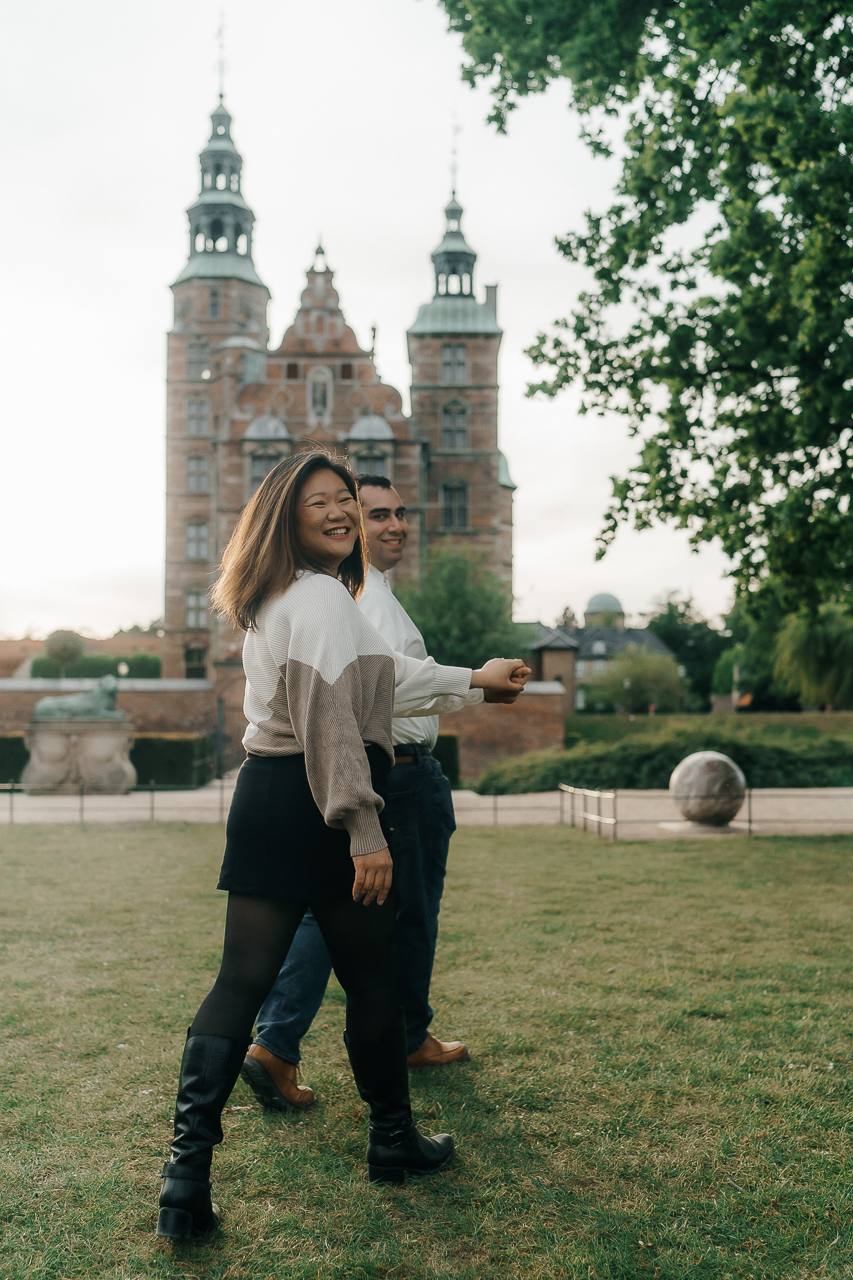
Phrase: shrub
pixel 646 762
pixel 141 666
pixel 13 757
pixel 172 760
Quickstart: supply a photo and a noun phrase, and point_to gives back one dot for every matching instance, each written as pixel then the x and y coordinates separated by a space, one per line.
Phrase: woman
pixel 305 827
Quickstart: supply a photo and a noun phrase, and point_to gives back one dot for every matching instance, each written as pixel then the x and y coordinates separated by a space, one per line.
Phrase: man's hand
pixel 501 679
pixel 373 875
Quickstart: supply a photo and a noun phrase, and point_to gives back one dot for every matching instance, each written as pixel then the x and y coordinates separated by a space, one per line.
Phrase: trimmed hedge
pixel 13 757
pixel 175 761
pixel 446 752
pixel 141 666
pixel 645 763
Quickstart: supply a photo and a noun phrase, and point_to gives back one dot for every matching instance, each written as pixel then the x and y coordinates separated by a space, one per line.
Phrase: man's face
pixel 385 525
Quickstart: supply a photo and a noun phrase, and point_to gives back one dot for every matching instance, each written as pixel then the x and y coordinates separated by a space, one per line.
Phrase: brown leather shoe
pixel 435 1053
pixel 273 1081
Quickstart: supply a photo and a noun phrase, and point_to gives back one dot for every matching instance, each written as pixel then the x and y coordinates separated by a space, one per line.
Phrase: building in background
pixel 236 406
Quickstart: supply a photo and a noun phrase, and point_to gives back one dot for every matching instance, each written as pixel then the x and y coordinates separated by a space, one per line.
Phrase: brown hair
pixel 263 555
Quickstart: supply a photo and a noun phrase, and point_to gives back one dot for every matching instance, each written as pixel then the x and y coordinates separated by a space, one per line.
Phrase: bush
pixel 141 666
pixel 446 752
pixel 13 757
pixel 646 762
pixel 172 760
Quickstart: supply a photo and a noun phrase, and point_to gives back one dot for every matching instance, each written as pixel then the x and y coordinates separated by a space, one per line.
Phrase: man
pixel 420 813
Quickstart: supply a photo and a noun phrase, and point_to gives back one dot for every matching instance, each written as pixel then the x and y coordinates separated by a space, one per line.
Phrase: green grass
pixel 660 1084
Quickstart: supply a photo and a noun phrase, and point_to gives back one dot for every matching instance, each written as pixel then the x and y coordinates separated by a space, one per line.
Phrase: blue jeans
pixel 420 812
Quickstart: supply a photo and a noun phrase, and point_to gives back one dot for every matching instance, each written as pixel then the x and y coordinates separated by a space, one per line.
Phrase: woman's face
pixel 327 520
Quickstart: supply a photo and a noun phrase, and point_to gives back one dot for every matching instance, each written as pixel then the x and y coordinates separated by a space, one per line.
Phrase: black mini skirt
pixel 277 844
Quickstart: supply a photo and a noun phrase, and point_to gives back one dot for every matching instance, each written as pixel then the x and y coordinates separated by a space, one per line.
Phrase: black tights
pixel 258 936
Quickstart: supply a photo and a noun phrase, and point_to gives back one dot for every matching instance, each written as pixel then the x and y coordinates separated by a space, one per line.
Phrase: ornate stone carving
pixel 98 703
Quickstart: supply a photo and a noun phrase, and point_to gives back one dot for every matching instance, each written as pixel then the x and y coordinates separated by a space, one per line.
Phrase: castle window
pixel 454 284
pixel 454 432
pixel 198 477
pixel 346 370
pixel 442 282
pixel 199 242
pixel 372 464
pixel 198 360
pixel 208 180
pixel 221 244
pixel 196 603
pixel 235 182
pixel 466 284
pixel 454 506
pixel 243 243
pixel 213 304
pixel 253 367
pixel 220 181
pixel 197 540
pixel 198 419
pixel 259 468
pixel 195 664
pixel 454 362
pixel 292 371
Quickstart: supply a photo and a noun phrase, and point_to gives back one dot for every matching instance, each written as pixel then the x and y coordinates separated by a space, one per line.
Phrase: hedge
pixel 646 763
pixel 141 666
pixel 13 757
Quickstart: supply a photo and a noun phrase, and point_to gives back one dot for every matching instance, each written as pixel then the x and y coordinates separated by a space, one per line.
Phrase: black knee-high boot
pixel 395 1147
pixel 209 1070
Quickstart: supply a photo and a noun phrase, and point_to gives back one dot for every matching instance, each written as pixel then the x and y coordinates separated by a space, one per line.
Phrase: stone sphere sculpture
pixel 708 787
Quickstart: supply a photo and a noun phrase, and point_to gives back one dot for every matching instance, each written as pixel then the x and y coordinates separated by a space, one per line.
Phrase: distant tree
pixel 720 316
pixel 754 623
pixel 636 680
pixel 463 611
pixel 64 647
pixel 814 657
pixel 696 644
pixel 567 620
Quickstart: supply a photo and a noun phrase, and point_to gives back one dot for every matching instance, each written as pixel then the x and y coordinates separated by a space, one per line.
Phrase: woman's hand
pixel 373 875
pixel 502 679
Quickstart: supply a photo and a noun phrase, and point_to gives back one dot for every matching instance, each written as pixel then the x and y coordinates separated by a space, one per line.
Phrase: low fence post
pixel 494 810
pixel 615 794
pixel 11 801
pixel 151 800
pixel 82 791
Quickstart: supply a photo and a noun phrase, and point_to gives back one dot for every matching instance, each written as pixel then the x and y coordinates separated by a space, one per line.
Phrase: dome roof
pixel 371 427
pixel 604 603
pixel 267 427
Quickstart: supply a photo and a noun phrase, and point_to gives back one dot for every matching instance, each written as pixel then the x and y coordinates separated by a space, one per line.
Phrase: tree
pixel 814 657
pixel 754 624
pixel 64 647
pixel 463 611
pixel 720 322
pixel 637 680
pixel 696 644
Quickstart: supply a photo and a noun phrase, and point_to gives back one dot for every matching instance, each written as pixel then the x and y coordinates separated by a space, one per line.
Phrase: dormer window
pixel 599 646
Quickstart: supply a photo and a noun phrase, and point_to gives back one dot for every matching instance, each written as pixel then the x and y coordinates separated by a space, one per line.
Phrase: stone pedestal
pixel 68 753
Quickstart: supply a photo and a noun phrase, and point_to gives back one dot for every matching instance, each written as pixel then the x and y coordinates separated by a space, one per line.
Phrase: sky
pixel 344 114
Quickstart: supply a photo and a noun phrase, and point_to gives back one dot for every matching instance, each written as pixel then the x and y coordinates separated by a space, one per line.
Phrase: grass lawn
pixel 660 1084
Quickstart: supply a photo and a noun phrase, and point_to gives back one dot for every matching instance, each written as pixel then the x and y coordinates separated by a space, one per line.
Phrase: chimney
pixel 492 299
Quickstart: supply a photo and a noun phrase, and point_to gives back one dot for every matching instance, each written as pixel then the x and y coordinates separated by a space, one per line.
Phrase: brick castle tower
pixel 235 407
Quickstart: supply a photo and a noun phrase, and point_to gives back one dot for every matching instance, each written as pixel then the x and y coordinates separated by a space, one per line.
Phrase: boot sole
pixel 378 1173
pixel 177 1224
pixel 261 1083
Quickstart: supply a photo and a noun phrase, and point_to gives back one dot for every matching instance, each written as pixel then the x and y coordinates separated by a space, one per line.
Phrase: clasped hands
pixel 501 679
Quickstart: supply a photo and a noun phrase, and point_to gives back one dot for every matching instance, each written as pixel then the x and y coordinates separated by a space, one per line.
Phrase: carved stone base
pixel 67 753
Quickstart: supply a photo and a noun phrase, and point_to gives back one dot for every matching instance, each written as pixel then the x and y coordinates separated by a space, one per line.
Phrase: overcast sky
pixel 343 113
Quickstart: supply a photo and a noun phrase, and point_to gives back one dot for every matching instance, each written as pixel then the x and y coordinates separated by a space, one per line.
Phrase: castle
pixel 235 407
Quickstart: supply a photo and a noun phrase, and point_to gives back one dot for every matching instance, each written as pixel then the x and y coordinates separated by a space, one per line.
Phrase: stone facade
pixel 235 406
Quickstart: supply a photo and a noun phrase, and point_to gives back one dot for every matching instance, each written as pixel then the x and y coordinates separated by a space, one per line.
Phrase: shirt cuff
pixel 453 680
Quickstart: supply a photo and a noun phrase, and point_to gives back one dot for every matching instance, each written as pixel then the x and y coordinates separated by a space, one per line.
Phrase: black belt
pixel 410 752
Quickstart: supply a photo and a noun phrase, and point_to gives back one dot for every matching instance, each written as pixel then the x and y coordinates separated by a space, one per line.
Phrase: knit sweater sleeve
pixel 420 681
pixel 326 682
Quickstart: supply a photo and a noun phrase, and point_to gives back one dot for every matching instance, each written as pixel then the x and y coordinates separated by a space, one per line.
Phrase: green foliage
pixel 814 656
pixel 755 622
pixel 720 320
pixel 696 644
pixel 463 611
pixel 446 752
pixel 636 680
pixel 141 666
pixel 13 757
pixel 64 647
pixel 647 762
pixel 172 761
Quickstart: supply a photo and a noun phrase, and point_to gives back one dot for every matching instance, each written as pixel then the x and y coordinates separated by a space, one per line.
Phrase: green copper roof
pixel 454 313
pixel 220 266
pixel 504 478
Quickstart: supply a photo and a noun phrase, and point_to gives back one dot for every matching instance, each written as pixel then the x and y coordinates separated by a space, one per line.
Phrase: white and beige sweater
pixel 321 681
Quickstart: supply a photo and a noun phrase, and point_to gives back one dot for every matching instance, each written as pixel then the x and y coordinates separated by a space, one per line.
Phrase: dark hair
pixel 378 482
pixel 263 555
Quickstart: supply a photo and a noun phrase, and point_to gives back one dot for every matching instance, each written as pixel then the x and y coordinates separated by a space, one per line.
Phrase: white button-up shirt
pixel 381 607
